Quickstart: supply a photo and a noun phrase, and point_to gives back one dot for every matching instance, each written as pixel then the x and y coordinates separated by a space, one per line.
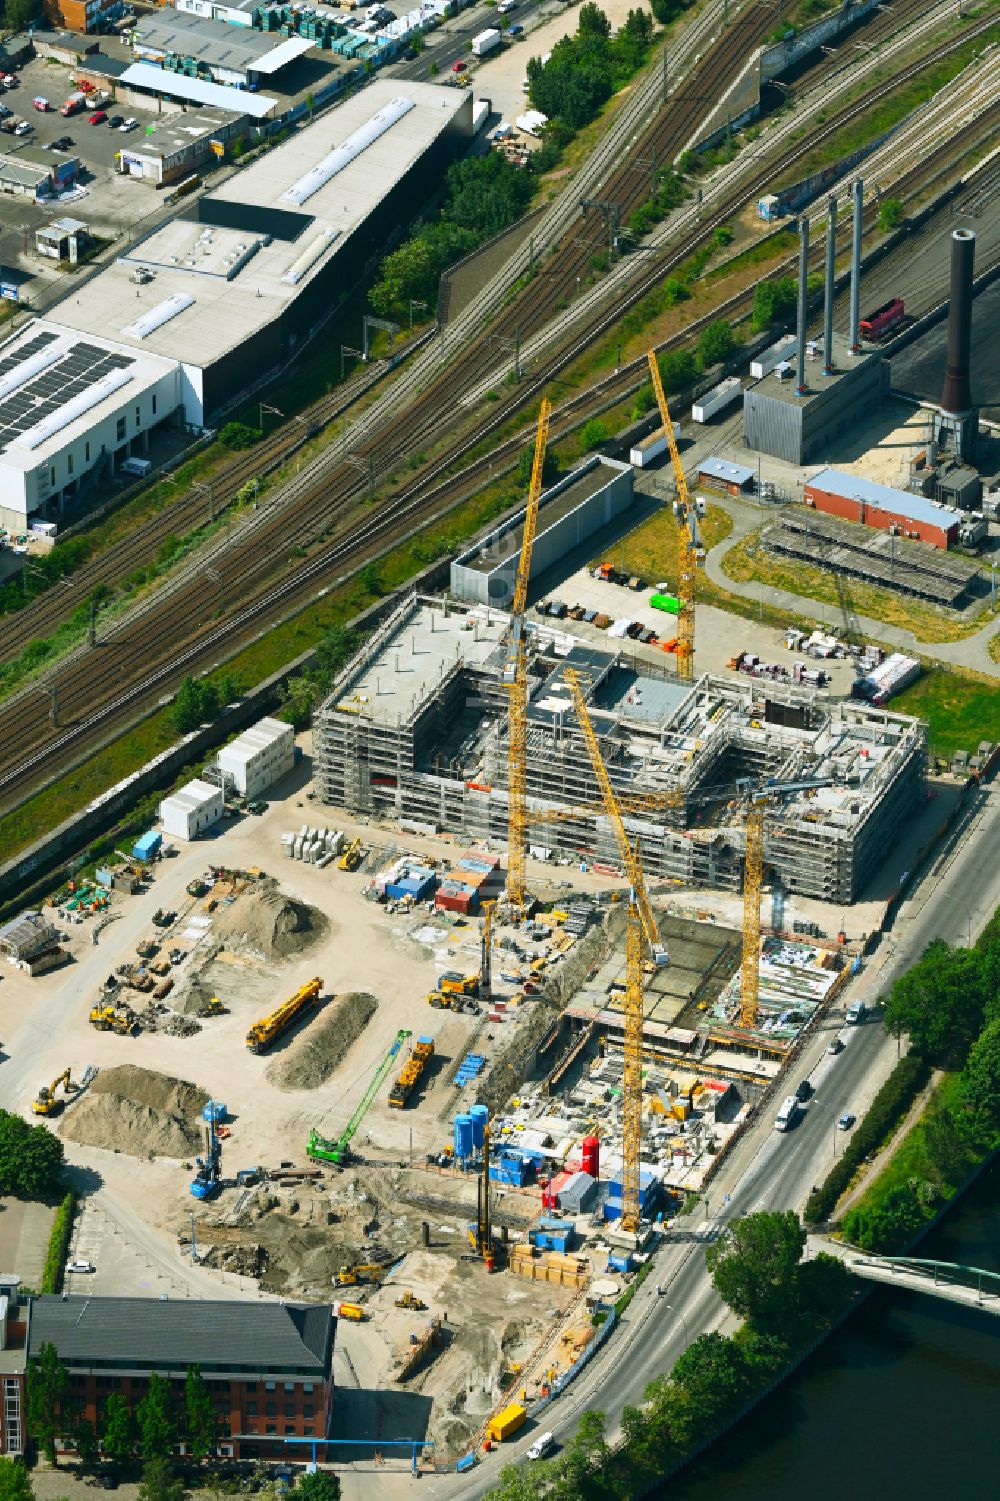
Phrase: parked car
pixel 5 111
pixel 10 82
pixel 836 1046
pixel 459 65
pixel 846 1121
pixel 41 104
pixel 9 125
pixel 803 1091
pixel 64 143
pixel 257 806
pixel 516 30
pixel 98 117
pixel 23 128
pixel 80 1266
pixel 129 124
pixel 116 122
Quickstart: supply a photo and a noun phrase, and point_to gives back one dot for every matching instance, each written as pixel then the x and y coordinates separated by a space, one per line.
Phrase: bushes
pixel 31 1158
pixel 55 1256
pixel 584 70
pixel 199 700
pixel 237 435
pixel 886 1111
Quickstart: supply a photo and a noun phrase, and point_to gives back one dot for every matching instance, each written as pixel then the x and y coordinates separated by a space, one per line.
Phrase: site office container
pixel 506 1423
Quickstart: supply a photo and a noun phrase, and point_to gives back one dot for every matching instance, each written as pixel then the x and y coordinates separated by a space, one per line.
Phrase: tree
pixel 713 1375
pixel 715 343
pixel 550 468
pixel 47 1383
pixel 594 433
pixel 159 1483
pixel 592 21
pixel 753 1266
pixel 155 1417
pixel 20 13
pixel 888 1226
pixel 85 1439
pixel 890 214
pixel 370 579
pixel 31 1158
pixel 980 1085
pixel 236 435
pixel 666 11
pixel 118 1436
pixel 939 1002
pixel 823 1287
pixel 199 1413
pixel 15 1482
pixel 186 713
pixel 773 301
pixel 319 1485
pixel 299 696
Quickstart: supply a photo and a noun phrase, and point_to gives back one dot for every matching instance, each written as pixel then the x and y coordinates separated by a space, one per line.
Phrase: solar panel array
pixel 81 367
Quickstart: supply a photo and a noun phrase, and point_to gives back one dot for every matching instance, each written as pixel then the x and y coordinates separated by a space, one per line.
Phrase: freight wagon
pixel 884 319
pixel 721 396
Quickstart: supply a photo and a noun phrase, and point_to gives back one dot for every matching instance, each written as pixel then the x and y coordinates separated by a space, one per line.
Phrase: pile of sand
pixel 319 1048
pixel 270 923
pixel 135 1110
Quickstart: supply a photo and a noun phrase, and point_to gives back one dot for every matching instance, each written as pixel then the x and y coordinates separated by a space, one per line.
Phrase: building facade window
pixel 69 463
pixel 120 429
pixel 154 403
pixel 86 452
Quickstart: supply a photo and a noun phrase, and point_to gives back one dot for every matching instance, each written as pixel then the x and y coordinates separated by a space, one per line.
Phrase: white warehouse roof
pixel 192 796
pixel 196 91
pixel 241 279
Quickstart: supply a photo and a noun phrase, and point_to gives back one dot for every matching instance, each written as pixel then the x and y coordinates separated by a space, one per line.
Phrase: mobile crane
pixel 269 1028
pixel 338 1150
pixel 207 1181
pixel 687 579
pixel 47 1103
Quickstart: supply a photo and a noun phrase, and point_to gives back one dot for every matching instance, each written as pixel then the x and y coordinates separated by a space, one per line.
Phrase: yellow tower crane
pixel 515 677
pixel 641 922
pixel 486 952
pixel 687 579
pixel 753 878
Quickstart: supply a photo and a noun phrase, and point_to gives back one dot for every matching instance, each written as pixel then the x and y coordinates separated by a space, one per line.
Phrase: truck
pixel 721 396
pixel 505 1424
pixel 642 454
pixel 413 1068
pixel 787 1115
pixel 453 983
pixel 883 320
pixel 486 42
pixel 74 104
pixel 668 602
pixel 269 1028
pixel 769 359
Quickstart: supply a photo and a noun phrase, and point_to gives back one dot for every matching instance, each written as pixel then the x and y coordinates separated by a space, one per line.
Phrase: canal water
pixel 903 1401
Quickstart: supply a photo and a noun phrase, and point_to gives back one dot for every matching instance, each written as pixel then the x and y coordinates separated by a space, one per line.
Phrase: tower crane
pixel 515 677
pixel 486 953
pixel 640 923
pixel 688 541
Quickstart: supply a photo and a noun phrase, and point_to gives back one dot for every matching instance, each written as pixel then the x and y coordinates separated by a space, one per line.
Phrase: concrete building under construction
pixel 415 731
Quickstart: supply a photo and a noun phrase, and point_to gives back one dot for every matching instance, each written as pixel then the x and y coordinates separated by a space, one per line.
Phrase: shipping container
pixel 667 602
pixel 506 1423
pixel 770 358
pixel 651 448
pixel 486 42
pixel 717 400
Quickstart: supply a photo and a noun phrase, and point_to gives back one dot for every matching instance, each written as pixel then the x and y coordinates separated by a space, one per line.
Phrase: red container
pixel 591 1156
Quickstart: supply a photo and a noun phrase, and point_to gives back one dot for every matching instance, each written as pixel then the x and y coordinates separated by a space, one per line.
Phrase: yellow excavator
pixel 113 1019
pixel 47 1103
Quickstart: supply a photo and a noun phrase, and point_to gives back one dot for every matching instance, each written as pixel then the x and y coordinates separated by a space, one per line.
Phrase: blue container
pixel 145 848
pixel 463 1136
pixel 214 1111
pixel 479 1115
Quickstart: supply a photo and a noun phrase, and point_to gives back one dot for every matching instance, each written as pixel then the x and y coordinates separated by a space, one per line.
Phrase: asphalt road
pixel 453 41
pixel 772 1170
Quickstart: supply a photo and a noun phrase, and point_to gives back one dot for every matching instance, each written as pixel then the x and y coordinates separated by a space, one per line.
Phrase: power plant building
pixel 415 731
pixel 578 506
pixel 779 421
pixel 856 499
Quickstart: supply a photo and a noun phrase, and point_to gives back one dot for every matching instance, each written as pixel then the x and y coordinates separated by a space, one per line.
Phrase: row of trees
pixel 757 1268
pixel 31 1158
pixel 199 700
pixel 584 70
pixel 160 1483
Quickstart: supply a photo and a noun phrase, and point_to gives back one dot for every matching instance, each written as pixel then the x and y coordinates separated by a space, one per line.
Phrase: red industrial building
pixel 856 499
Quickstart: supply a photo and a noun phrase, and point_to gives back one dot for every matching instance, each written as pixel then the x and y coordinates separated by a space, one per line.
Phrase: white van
pixel 856 1013
pixel 787 1115
pixel 544 1444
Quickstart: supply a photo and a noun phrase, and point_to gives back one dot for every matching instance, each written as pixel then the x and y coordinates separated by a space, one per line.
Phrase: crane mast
pixel 753 876
pixel 515 678
pixel 688 542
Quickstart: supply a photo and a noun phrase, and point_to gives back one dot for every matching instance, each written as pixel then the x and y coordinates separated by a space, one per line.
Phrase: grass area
pixel 995 647
pixel 960 710
pixel 891 110
pixel 769 248
pixel 652 549
pixel 749 561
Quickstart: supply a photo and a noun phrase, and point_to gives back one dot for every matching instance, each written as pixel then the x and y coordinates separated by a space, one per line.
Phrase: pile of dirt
pixel 310 1060
pixel 270 923
pixel 135 1110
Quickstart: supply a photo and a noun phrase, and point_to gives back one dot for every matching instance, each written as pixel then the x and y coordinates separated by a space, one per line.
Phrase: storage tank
pixel 463 1136
pixel 591 1156
pixel 479 1115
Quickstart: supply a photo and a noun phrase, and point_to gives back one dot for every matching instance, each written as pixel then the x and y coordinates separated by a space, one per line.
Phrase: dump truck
pixel 506 1423
pixel 352 1311
pixel 447 1000
pixel 452 983
pixel 404 1086
pixel 120 1019
pixel 263 1033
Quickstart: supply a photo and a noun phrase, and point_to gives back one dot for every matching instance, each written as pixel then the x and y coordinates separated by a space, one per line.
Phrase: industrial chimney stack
pixel 831 256
pixel 803 303
pixel 956 397
pixel 859 203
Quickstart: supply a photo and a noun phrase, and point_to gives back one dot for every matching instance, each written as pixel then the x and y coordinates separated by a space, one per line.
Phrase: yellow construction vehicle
pixel 113 1019
pixel 47 1103
pixel 368 1271
pixel 351 858
pixel 269 1029
pixel 214 1007
pixel 452 983
pixel 408 1300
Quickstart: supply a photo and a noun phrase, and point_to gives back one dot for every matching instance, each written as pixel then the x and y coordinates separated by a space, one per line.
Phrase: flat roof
pixel 171 133
pixel 197 91
pixel 730 474
pixel 178 33
pixel 554 504
pixel 253 205
pixel 845 364
pixel 192 795
pixel 55 385
pixel 254 740
pixel 855 487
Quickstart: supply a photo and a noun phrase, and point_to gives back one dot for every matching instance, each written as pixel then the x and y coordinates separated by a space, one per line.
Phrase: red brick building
pixel 268 1366
pixel 856 499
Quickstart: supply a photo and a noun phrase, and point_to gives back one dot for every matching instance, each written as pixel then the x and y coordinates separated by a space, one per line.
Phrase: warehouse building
pixel 29 172
pixel 232 292
pixel 856 499
pixel 72 410
pixel 192 810
pixel 205 48
pixel 259 757
pixel 268 1367
pixel 578 506
pixel 720 474
pixel 416 729
pixel 779 421
pixel 182 143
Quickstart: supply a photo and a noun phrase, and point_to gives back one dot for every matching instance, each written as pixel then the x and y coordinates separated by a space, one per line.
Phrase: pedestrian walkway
pixel 971 1286
pixel 971 652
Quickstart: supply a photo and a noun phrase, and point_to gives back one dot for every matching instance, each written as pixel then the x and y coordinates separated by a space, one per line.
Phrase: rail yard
pixel 462 1018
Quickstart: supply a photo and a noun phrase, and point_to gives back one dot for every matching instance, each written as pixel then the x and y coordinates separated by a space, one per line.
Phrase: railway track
pixel 130 670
